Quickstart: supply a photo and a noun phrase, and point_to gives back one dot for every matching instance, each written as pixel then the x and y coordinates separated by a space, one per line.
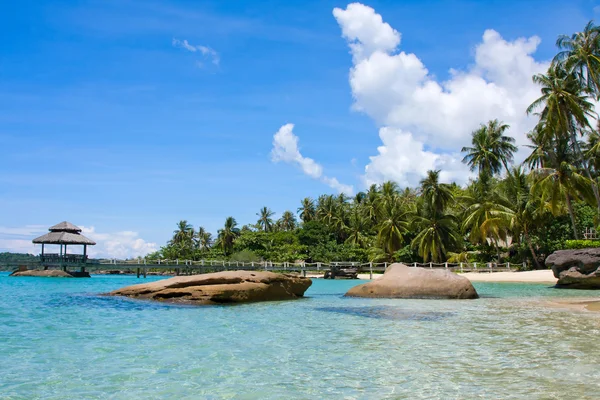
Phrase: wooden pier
pixel 143 267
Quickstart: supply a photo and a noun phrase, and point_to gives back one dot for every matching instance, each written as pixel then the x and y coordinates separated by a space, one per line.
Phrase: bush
pixel 581 244
pixel 245 256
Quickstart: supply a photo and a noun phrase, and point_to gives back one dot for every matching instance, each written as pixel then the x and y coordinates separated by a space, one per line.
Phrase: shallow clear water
pixel 60 340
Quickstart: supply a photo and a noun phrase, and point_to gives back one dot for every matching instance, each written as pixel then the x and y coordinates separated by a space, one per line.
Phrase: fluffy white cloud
pixel 124 244
pixel 285 149
pixel 425 122
pixel 206 51
pixel 402 159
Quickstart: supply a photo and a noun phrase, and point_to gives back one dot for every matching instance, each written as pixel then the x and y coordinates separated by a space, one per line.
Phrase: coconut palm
pixel 437 235
pixel 436 195
pixel 526 208
pixel 184 234
pixel 265 222
pixel 307 209
pixel 487 215
pixel 228 234
pixel 287 222
pixel 491 149
pixel 566 111
pixel 203 239
pixel 560 180
pixel 394 224
pixel 358 226
pixel 580 56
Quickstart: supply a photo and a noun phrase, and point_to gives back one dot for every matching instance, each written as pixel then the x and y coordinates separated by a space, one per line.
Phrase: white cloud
pixel 206 51
pixel 425 122
pixel 285 149
pixel 123 244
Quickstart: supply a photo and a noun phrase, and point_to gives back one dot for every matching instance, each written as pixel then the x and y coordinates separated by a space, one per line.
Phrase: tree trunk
pixel 530 245
pixel 570 208
pixel 497 250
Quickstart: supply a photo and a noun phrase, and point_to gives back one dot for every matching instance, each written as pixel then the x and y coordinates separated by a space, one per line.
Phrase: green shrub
pixel 581 244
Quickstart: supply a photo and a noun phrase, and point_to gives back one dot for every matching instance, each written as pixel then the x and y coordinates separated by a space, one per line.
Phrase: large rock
pixel 576 269
pixel 220 287
pixel 50 273
pixel 401 281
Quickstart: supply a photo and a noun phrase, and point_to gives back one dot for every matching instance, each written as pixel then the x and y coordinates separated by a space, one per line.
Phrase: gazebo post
pixel 42 258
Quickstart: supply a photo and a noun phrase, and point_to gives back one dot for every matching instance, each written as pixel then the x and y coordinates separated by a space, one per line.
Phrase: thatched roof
pixel 64 233
pixel 64 227
pixel 63 238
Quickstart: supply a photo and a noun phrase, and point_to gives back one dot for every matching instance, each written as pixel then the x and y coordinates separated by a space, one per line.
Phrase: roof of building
pixel 64 233
pixel 65 226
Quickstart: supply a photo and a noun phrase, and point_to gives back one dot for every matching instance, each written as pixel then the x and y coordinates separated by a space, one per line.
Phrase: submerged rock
pixel 576 269
pixel 50 273
pixel 401 281
pixel 220 287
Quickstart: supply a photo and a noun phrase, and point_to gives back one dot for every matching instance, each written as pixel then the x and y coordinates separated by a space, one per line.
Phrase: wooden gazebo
pixel 64 234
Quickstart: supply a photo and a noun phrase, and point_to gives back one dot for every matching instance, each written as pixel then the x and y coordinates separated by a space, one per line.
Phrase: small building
pixel 64 234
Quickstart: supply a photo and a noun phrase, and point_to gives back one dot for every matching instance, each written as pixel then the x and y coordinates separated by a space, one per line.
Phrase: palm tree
pixel 490 150
pixel 394 224
pixel 265 221
pixel 487 215
pixel 203 239
pixel 228 234
pixel 437 235
pixel 526 209
pixel 307 209
pixel 358 226
pixel 580 56
pixel 371 204
pixel 565 114
pixel 436 195
pixel 560 179
pixel 287 222
pixel 184 233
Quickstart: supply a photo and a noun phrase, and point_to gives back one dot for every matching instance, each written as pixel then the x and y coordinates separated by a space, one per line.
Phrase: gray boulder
pixel 576 269
pixel 401 281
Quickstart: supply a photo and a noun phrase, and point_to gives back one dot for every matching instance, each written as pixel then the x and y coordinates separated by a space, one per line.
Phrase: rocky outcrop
pixel 576 269
pixel 401 281
pixel 50 273
pixel 220 287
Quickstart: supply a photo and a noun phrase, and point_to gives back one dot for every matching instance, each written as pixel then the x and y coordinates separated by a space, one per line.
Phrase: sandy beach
pixel 541 276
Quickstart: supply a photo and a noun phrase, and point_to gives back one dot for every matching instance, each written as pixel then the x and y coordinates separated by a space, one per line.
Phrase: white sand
pixel 541 276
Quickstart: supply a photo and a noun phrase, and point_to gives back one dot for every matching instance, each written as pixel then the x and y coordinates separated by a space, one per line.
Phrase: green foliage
pixel 581 244
pixel 245 256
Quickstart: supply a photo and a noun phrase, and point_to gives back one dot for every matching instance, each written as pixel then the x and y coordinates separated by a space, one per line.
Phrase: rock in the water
pixel 220 287
pixel 401 281
pixel 50 273
pixel 576 269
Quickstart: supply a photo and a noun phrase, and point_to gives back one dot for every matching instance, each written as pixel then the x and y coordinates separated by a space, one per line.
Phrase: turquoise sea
pixel 60 340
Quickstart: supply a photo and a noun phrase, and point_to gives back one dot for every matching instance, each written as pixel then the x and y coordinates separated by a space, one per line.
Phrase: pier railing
pixel 182 266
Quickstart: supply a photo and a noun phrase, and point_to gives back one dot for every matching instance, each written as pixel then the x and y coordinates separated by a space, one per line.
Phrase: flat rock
pixel 50 273
pixel 576 269
pixel 220 287
pixel 401 281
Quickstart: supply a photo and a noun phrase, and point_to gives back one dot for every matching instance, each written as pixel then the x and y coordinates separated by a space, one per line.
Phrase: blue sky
pixel 107 123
